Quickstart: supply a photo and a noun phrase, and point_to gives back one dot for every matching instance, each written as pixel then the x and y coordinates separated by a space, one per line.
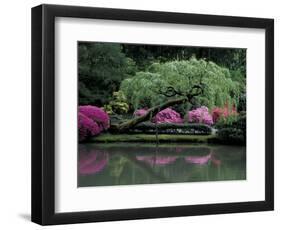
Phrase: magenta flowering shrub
pixel 168 116
pixel 96 114
pixel 164 116
pixel 200 115
pixel 91 121
pixel 87 127
pixel 140 112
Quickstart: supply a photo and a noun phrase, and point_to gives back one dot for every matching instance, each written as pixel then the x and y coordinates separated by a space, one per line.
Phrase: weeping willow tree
pixel 195 82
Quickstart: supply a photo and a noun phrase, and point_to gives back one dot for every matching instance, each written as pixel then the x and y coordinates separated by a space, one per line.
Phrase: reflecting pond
pixel 136 163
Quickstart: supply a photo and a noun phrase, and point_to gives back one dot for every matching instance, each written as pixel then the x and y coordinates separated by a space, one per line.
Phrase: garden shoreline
pixel 161 138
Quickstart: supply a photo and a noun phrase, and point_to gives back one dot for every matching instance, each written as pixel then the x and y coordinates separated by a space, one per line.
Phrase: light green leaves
pixel 145 89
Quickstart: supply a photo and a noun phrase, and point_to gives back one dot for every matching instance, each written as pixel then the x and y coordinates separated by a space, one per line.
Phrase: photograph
pixel 140 114
pixel 157 113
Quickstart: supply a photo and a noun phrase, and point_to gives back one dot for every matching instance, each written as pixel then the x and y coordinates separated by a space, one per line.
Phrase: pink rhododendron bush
pixel 140 112
pixel 87 127
pixel 167 115
pixel 200 115
pixel 224 112
pixel 91 121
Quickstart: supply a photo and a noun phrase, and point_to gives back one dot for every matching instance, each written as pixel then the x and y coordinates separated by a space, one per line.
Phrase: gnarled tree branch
pixel 170 91
pixel 150 113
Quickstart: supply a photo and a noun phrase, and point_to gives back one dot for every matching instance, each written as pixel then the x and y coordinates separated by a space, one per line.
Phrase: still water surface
pixel 135 163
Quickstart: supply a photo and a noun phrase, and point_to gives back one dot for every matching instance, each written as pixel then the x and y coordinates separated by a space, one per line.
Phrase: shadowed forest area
pixel 103 66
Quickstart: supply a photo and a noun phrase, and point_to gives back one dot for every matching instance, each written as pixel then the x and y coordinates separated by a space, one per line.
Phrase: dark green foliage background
pixel 103 66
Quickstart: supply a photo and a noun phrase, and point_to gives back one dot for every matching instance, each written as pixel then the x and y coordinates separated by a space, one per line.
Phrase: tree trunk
pixel 150 113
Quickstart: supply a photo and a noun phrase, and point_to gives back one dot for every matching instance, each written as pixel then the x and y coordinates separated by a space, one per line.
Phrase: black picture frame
pixel 43 114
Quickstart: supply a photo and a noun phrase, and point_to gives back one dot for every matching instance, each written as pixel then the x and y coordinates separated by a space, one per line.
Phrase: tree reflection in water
pixel 125 164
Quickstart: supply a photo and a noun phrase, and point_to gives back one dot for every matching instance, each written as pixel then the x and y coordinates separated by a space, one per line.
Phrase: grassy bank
pixel 106 138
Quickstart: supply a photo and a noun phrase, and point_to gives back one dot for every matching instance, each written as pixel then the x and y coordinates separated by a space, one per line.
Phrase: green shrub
pixel 231 135
pixel 227 121
pixel 233 132
pixel 242 103
pixel 118 105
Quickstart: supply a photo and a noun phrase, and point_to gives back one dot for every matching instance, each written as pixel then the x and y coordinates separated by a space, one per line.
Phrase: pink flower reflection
pixel 92 162
pixel 201 160
pixel 159 160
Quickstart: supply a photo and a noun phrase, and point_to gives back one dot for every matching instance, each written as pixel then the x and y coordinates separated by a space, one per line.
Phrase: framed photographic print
pixel 141 114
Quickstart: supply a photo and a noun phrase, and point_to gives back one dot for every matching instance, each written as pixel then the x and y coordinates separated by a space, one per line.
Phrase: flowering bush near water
pixel 167 115
pixel 93 120
pixel 200 115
